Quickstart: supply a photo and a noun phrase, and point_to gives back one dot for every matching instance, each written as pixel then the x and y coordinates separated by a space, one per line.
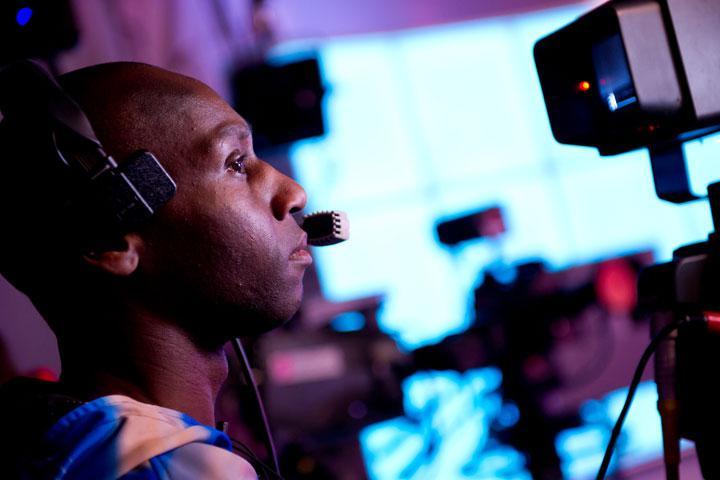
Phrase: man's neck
pixel 151 361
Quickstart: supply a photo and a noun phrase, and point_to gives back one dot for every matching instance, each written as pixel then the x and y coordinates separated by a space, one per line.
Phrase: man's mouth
pixel 301 253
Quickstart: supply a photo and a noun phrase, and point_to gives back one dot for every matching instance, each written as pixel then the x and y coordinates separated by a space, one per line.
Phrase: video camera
pixel 636 73
pixel 644 73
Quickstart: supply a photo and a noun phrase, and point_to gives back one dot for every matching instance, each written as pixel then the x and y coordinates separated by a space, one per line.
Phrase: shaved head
pixel 134 106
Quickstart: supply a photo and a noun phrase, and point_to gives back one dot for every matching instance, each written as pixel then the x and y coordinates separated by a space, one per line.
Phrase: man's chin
pixel 216 324
pixel 252 323
pixel 258 327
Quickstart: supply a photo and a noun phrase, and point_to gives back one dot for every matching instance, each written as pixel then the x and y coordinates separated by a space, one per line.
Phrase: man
pixel 141 320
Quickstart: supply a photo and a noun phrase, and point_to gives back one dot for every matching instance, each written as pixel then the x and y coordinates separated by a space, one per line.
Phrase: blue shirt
pixel 116 437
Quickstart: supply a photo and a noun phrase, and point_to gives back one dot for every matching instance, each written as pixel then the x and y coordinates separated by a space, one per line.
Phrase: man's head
pixel 222 256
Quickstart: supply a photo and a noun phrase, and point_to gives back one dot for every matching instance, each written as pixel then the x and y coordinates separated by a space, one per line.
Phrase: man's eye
pixel 237 164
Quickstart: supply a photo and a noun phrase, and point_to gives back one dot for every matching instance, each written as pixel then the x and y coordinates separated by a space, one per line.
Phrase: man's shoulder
pixel 116 435
pixel 200 460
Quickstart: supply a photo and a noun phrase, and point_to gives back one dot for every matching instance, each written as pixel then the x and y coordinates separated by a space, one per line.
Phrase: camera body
pixel 634 73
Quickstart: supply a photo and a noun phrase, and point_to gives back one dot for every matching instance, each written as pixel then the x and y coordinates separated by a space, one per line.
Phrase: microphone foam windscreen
pixel 326 228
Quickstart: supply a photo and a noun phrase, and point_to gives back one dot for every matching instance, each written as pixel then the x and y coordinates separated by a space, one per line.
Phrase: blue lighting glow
pixel 348 322
pixel 581 449
pixel 23 16
pixel 509 415
pixel 445 432
pixel 433 122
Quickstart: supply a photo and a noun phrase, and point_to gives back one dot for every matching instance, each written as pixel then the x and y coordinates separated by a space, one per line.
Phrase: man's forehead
pixel 237 128
pixel 210 122
pixel 212 114
pixel 133 106
pixel 234 129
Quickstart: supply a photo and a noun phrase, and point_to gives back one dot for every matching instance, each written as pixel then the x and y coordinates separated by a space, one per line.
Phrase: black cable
pixel 637 377
pixel 247 377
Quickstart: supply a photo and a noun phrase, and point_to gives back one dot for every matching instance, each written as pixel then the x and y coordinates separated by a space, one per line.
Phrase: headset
pixel 104 197
pixel 115 197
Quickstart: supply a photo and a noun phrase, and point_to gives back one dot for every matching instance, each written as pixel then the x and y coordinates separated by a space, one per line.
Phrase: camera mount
pixel 685 287
pixel 643 73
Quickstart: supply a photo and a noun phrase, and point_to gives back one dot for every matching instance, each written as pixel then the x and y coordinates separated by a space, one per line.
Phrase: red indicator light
pixel 584 86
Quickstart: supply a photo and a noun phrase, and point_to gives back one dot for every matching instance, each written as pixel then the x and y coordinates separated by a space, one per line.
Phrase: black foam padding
pixel 318 226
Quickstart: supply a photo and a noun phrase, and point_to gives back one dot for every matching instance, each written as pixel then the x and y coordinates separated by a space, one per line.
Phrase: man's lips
pixel 301 253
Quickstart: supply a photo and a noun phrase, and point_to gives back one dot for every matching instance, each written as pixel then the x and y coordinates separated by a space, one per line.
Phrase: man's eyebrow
pixel 234 129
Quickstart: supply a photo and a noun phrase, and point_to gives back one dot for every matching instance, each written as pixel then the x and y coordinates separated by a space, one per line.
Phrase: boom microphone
pixel 326 228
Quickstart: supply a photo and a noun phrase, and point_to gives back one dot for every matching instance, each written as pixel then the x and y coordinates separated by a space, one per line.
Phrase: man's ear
pixel 121 259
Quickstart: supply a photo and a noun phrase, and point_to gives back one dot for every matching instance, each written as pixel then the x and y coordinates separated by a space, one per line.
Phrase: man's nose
pixel 289 197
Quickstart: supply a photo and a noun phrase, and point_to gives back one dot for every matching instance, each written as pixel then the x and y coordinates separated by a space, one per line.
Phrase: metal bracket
pixel 670 173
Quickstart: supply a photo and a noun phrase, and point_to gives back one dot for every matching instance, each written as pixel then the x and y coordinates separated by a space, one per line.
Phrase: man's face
pixel 225 252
